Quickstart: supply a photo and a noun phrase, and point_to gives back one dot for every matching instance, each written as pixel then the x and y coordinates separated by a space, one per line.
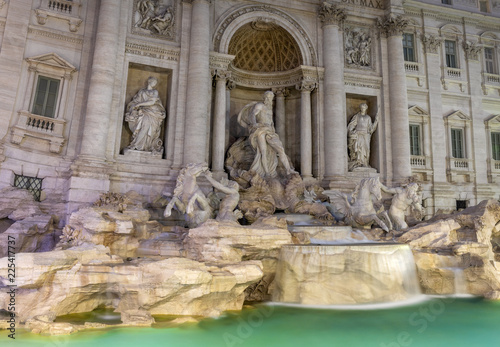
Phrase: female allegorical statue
pixel 145 115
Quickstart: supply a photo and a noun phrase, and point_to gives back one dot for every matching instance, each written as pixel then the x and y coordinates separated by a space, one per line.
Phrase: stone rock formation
pixel 82 278
pixel 465 244
pixel 223 242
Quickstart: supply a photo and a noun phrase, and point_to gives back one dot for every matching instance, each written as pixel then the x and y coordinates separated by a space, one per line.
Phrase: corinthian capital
pixel 392 25
pixel 329 14
pixel 431 43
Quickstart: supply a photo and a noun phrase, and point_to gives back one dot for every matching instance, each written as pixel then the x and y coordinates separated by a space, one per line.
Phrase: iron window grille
pixel 32 184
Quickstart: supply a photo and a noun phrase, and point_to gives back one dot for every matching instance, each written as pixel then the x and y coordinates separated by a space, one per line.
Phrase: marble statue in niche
pixel 145 115
pixel 257 117
pixel 154 17
pixel 357 48
pixel 359 133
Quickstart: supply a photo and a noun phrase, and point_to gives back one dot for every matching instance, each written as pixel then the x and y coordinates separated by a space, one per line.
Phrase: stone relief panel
pixel 154 18
pixel 358 47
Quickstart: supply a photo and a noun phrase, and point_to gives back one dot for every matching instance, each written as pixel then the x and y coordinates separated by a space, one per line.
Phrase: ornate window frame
pixel 452 75
pixel 459 167
pixel 492 124
pixel 50 129
pixel 490 81
pixel 421 164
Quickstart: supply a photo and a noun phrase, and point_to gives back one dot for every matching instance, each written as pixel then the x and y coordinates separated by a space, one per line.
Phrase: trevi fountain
pixel 227 260
pixel 249 173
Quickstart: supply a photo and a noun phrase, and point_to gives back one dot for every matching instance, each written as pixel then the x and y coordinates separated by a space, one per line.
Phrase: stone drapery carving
pixel 472 50
pixel 152 16
pixel 405 197
pixel 357 48
pixel 257 117
pixel 330 14
pixel 392 25
pixel 358 210
pixel 359 133
pixel 188 197
pixel 145 115
pixel 431 43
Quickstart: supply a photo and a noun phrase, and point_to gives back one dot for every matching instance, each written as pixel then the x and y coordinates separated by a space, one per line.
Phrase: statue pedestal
pixel 141 156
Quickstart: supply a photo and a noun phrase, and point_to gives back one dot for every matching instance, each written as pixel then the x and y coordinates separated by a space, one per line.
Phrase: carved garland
pixel 265 8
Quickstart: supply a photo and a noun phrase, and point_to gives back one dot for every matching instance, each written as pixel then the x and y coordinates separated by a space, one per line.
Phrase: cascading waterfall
pixel 351 273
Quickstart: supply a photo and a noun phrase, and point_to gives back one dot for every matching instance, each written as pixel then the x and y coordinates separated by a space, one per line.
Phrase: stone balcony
pixel 494 171
pixel 453 76
pixel 60 10
pixel 41 128
pixel 460 170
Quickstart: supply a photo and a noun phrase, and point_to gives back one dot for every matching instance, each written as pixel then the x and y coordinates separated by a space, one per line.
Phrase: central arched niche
pixel 264 50
pixel 263 46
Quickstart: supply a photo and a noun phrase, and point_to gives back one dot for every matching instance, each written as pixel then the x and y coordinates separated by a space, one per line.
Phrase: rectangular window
pixel 495 146
pixel 446 2
pixel 415 139
pixel 489 60
pixel 483 6
pixel 32 184
pixel 457 143
pixel 46 97
pixel 409 47
pixel 451 53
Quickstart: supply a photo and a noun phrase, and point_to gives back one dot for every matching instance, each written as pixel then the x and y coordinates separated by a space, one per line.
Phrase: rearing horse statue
pixel 188 197
pixel 359 211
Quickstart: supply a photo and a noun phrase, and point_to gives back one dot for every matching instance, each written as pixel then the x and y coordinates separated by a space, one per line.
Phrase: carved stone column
pixel 280 115
pixel 392 27
pixel 219 132
pixel 334 91
pixel 305 87
pixel 198 84
pixel 99 102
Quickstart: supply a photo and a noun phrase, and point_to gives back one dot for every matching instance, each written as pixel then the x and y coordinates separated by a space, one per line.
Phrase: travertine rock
pixel 32 234
pixel 231 242
pixel 464 245
pixel 82 278
pixel 17 204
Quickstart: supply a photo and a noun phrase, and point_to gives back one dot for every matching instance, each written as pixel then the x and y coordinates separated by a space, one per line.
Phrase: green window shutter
pixel 46 97
pixel 495 146
pixel 457 149
pixel 415 139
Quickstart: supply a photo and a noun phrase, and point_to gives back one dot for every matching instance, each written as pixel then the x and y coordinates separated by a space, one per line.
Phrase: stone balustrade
pixel 40 127
pixel 65 10
pixel 491 78
pixel 453 73
pixel 461 164
pixel 60 6
pixel 418 161
pixel 412 66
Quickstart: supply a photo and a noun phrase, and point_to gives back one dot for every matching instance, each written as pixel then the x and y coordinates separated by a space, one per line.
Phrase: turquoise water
pixel 437 322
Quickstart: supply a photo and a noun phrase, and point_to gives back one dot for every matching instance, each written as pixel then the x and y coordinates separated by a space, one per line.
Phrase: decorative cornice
pixel 220 61
pixel 151 51
pixel 76 39
pixel 472 50
pixel 431 43
pixel 356 80
pixel 276 80
pixel 330 14
pixel 392 25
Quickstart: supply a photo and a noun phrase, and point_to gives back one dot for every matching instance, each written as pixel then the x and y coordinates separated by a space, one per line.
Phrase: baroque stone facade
pixel 70 68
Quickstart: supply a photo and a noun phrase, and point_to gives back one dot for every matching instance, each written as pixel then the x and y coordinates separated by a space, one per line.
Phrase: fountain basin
pixel 345 274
